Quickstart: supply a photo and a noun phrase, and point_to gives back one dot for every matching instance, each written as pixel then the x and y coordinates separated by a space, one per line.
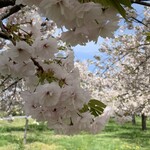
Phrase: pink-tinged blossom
pixel 20 52
pixel 24 69
pixel 57 70
pixel 5 65
pixel 84 21
pixel 54 93
pixel 100 121
pixel 45 48
pixel 68 62
pixel 32 106
pixel 49 94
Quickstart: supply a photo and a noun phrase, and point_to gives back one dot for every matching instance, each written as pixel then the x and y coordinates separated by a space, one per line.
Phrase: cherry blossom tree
pixel 53 92
pixel 128 69
pixel 31 53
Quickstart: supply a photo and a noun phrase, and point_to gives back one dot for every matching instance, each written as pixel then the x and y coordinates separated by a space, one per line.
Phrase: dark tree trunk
pixel 133 119
pixel 5 3
pixel 144 122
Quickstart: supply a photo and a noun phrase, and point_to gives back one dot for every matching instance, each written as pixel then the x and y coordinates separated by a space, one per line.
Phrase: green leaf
pixel 147 36
pixel 96 107
pixel 94 112
pixel 126 3
pixel 117 5
pixel 97 102
pixel 84 109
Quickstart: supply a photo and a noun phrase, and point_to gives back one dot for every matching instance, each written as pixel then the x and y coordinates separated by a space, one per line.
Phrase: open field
pixel 39 137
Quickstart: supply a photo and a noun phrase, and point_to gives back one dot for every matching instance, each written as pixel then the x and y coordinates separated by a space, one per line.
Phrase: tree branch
pixel 141 2
pixel 139 21
pixel 5 3
pixel 4 36
pixel 11 11
pixel 14 83
pixel 142 62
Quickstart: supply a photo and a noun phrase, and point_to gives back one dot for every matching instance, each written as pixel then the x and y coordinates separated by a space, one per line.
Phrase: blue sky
pixel 90 49
pixel 87 51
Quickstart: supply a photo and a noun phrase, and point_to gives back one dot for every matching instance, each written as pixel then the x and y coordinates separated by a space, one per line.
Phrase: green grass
pixel 39 137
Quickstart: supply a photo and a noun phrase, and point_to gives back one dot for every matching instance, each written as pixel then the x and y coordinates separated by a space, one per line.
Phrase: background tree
pixel 53 92
pixel 127 65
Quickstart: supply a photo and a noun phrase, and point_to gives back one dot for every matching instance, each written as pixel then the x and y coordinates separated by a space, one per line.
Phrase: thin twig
pixel 37 64
pixel 5 80
pixel 11 85
pixel 139 21
pixel 123 57
pixel 141 3
pixel 5 34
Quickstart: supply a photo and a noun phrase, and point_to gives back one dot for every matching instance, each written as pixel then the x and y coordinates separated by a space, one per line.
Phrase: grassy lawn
pixel 39 137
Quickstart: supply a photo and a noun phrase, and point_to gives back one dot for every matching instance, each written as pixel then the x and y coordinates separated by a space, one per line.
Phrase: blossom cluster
pixel 81 22
pixel 53 92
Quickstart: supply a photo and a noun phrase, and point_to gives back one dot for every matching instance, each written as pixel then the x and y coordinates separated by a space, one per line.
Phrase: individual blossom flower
pixel 71 37
pixel 32 106
pixel 61 11
pixel 33 26
pixel 56 70
pixel 20 52
pixel 24 69
pixel 74 97
pixel 49 94
pixel 5 64
pixel 68 62
pixel 100 121
pixel 45 48
pixel 31 82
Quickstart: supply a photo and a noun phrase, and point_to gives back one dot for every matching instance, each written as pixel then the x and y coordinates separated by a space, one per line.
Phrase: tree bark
pixel 143 117
pixel 133 119
pixel 5 3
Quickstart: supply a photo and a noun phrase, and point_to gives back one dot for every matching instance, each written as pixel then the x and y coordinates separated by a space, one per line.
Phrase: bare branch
pixel 2 83
pixel 139 21
pixel 142 62
pixel 140 2
pixel 14 83
pixel 37 64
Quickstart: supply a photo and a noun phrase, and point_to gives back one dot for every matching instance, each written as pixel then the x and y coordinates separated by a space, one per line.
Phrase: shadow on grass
pixel 9 134
pixel 6 139
pixel 40 127
pixel 129 133
pixel 31 127
pixel 9 129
